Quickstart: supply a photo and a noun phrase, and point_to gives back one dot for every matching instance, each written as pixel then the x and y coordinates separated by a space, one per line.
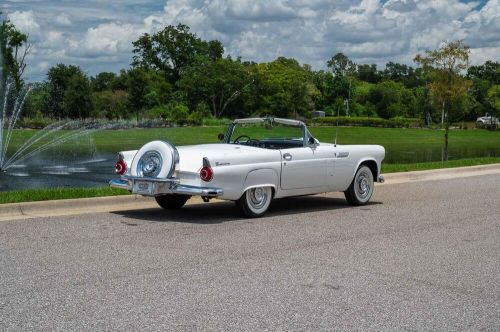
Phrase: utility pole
pixel 346 102
pixel 442 116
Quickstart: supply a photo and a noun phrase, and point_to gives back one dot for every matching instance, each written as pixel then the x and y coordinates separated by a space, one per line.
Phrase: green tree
pixel 341 65
pixel 489 71
pixel 159 90
pixel 494 97
pixel 137 88
pixel 368 73
pixel 110 104
pixel 386 97
pixel 446 65
pixel 324 81
pixel 286 88
pixel 103 81
pixel 14 48
pixel 69 92
pixel 402 73
pixel 483 77
pixel 172 50
pixel 217 82
pixel 77 97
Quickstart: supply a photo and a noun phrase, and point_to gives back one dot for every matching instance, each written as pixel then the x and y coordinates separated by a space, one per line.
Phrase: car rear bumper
pixel 156 187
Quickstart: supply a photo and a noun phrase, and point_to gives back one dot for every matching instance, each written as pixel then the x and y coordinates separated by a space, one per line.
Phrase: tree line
pixel 178 76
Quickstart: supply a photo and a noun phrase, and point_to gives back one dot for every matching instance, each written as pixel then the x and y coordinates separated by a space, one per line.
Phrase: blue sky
pixel 97 35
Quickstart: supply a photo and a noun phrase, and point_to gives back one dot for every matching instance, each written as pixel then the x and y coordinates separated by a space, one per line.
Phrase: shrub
pixel 211 121
pixel 195 119
pixel 397 122
pixel 158 112
pixel 179 114
pixel 35 123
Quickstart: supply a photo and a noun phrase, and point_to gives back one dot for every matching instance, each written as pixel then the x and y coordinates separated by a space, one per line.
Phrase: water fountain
pixel 42 140
pixel 28 154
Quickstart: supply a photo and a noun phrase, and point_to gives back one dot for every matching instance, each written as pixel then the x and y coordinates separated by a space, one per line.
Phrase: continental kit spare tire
pixel 156 159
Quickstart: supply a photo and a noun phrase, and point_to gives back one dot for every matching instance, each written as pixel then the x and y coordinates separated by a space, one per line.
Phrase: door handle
pixel 287 156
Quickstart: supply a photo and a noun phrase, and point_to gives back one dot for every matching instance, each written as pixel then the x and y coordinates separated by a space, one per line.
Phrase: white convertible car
pixel 257 160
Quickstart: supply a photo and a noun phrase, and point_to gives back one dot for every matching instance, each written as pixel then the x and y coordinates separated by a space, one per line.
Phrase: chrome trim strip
pixel 129 177
pixel 165 186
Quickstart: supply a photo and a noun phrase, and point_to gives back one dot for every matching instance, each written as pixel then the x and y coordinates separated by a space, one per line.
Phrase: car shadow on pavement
pixel 219 212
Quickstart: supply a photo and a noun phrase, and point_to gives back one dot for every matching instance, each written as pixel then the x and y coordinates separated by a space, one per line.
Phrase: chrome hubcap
pixel 257 197
pixel 150 164
pixel 363 188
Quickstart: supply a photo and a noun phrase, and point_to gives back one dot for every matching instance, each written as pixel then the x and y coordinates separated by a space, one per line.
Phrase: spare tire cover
pixel 156 159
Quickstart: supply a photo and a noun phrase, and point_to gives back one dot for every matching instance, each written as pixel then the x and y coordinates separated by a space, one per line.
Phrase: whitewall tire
pixel 156 159
pixel 361 189
pixel 255 202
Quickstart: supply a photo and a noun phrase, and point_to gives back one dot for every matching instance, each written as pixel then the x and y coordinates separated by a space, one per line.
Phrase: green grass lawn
pixel 402 145
pixel 35 195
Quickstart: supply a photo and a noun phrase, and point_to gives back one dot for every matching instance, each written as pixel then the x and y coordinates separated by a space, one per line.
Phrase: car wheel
pixel 361 189
pixel 255 201
pixel 172 202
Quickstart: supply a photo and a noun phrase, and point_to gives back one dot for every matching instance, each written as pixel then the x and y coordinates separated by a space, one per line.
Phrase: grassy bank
pixel 70 193
pixel 35 195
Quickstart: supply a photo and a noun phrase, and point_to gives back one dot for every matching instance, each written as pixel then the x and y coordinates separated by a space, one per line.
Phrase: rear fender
pixel 261 178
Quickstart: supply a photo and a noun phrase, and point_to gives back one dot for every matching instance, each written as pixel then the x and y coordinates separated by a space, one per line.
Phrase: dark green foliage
pixel 368 73
pixel 341 65
pixel 397 122
pixel 172 50
pixel 110 104
pixel 137 84
pixel 69 93
pixel 179 114
pixel 285 88
pixel 14 47
pixel 217 83
pixel 103 81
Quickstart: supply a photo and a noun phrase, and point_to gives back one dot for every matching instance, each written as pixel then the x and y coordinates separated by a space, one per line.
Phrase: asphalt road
pixel 422 256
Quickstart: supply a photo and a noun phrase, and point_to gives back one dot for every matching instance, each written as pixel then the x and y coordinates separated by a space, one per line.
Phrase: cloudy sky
pixel 97 34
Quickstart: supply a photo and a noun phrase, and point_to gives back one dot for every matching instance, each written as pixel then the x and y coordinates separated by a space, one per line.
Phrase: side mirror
pixel 221 136
pixel 312 141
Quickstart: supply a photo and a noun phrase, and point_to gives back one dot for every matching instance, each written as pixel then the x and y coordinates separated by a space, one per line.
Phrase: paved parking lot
pixel 422 256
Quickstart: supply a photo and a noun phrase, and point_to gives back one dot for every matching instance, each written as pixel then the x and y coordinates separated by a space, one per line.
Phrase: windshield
pixel 267 134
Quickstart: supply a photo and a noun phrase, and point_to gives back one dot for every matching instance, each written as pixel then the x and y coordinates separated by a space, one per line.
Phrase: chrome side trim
pixel 164 186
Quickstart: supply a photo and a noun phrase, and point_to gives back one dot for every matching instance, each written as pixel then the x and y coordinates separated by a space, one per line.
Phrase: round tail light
pixel 120 167
pixel 206 174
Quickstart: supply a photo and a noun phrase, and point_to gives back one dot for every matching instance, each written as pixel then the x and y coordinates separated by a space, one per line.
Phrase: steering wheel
pixel 253 142
pixel 237 140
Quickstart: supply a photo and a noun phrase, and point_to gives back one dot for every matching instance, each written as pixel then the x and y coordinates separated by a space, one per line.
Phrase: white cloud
pixel 25 21
pixel 106 39
pixel 63 20
pixel 368 31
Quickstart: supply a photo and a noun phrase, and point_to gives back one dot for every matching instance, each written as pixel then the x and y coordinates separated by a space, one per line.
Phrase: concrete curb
pixel 441 174
pixel 130 202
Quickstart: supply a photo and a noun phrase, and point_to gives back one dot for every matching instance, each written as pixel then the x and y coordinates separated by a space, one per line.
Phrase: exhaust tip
pixel 381 179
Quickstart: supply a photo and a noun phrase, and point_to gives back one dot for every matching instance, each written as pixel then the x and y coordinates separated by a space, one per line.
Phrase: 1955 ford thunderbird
pixel 258 159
